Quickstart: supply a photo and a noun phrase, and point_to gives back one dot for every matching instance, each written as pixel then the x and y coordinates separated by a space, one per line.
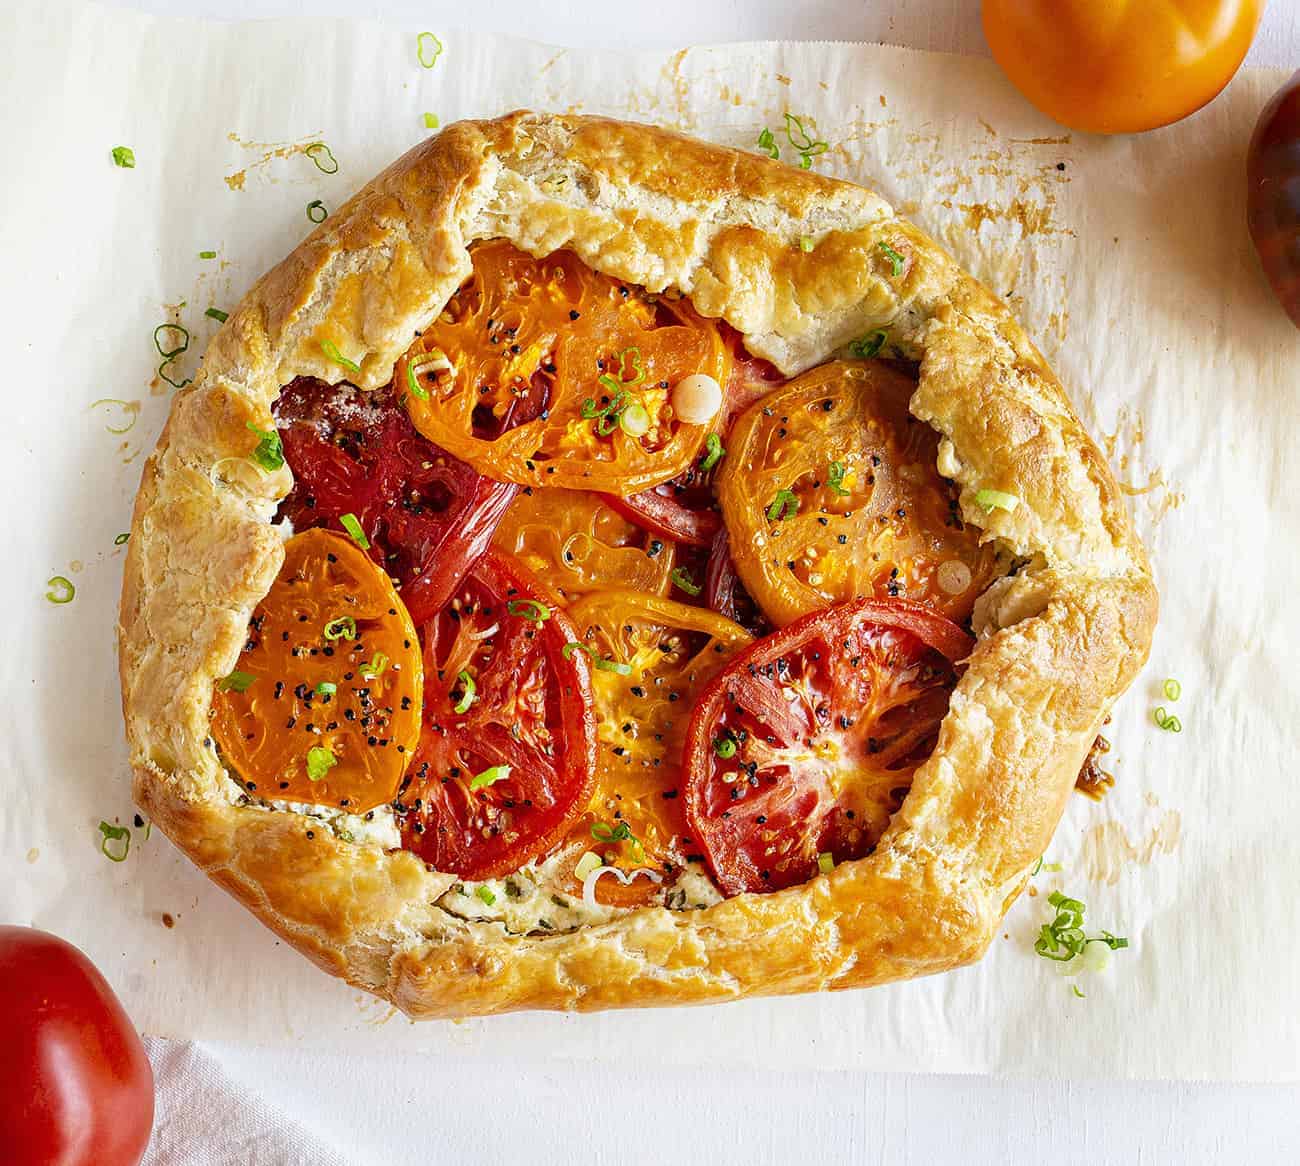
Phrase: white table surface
pixel 408 1110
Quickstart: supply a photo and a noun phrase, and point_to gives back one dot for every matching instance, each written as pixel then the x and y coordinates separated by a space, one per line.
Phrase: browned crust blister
pixel 1057 642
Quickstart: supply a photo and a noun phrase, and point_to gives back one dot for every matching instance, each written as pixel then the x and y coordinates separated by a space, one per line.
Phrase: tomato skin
pixel 1120 66
pixel 1273 194
pixel 76 1088
pixel 825 720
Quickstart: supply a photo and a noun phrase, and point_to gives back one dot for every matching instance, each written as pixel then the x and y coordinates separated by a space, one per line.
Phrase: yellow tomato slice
pixel 529 369
pixel 830 492
pixel 669 651
pixel 324 705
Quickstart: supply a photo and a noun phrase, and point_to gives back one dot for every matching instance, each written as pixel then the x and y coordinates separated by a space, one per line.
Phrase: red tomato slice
pixel 75 1085
pixel 426 514
pixel 502 780
pixel 725 593
pixel 681 510
pixel 806 743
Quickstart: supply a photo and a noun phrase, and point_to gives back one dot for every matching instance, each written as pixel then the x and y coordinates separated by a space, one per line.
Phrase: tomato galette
pixel 600 568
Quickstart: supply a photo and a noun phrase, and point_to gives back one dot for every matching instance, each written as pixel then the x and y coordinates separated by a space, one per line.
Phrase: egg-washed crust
pixel 1057 642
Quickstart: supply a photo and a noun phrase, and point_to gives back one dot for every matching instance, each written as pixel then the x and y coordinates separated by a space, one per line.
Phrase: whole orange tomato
pixel 1120 66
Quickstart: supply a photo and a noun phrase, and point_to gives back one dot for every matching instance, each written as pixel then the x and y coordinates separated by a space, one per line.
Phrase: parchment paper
pixel 1126 258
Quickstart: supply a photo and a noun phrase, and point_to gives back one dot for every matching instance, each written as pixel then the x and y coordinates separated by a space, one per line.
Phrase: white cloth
pixel 204 1118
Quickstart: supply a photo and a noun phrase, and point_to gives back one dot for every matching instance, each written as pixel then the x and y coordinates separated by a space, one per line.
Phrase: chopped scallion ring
pixel 60 590
pixel 182 345
pixel 603 832
pixel 865 347
pixel 784 505
pixel 124 157
pixel 269 453
pixel 767 143
pixel 1064 938
pixel 374 667
pixel 332 353
pixel 713 452
pixel 326 688
pixel 468 691
pixel 835 478
pixel 635 420
pixel 316 211
pixel 430 121
pixel 236 682
pixel 1075 989
pixel 1163 720
pixel 122 538
pixel 349 523
pixel 343 628
pixel 1173 690
pixel 681 577
pixel 322 156
pixel 207 254
pixel 804 143
pixel 576 646
pixel 806 243
pixel 826 862
pixel 725 747
pixel 992 500
pixel 217 314
pixel 438 359
pixel 319 762
pixel 428 48
pixel 616 666
pixel 489 776
pixel 130 408
pixel 486 895
pixel 114 834
pixel 896 261
pixel 529 609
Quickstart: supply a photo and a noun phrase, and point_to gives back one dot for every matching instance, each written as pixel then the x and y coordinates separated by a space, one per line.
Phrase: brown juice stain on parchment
pixel 1108 849
pixel 270 152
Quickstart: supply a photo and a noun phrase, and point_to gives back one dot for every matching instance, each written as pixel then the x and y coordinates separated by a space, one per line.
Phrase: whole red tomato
pixel 75 1086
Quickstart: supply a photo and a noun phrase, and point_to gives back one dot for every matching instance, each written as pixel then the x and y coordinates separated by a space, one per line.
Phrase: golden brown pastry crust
pixel 1057 642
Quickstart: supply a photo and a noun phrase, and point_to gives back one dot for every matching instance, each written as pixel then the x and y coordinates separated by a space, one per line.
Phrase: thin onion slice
pixel 589 883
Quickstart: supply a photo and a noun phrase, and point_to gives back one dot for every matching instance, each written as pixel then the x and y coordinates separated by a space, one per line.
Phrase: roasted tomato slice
pixel 508 752
pixel 324 704
pixel 830 492
pixel 426 514
pixel 806 743
pixel 542 372
pixel 651 658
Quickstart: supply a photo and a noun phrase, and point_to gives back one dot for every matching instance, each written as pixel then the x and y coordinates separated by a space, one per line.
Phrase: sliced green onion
pixel 316 211
pixel 428 48
pixel 1064 938
pixel 804 143
pixel 269 453
pixel 597 660
pixel 319 762
pixel 576 646
pixel 430 121
pixel 529 609
pixel 591 410
pixel 168 353
pixel 122 538
pixel 1037 867
pixel 343 628
pixel 589 861
pixel 326 688
pixel 725 747
pixel 681 577
pixel 124 156
pixel 489 776
pixel 487 896
pixel 826 862
pixel 413 367
pixel 865 347
pixel 174 383
pixel 713 452
pixel 1075 989
pixel 207 254
pixel 374 667
pixel 321 154
pixel 616 666
pixel 806 243
pixel 1163 720
pixel 602 832
pixel 114 834
pixel 996 500
pixel 1173 690
pixel 217 314
pixel 635 420
pixel 237 682
pixel 60 590
pixel 767 143
pixel 896 261
pixel 349 523
pixel 468 691
pixel 331 351
pixel 130 408
pixel 784 505
pixel 835 478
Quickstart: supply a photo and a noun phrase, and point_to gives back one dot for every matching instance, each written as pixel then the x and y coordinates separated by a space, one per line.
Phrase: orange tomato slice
pixel 537 369
pixel 324 704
